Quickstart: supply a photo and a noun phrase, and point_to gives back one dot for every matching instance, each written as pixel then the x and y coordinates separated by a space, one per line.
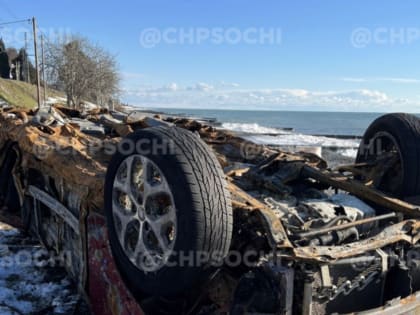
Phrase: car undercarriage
pixel 170 215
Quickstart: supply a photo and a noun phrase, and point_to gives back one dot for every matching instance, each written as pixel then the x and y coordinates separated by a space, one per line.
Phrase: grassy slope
pixel 21 94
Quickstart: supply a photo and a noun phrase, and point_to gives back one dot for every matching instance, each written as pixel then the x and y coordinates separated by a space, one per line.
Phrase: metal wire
pixel 15 22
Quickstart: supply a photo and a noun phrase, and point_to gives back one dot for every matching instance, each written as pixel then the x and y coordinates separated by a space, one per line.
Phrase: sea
pixel 341 130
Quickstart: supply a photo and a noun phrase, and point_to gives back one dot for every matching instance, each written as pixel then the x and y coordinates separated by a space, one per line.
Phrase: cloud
pixel 382 79
pixel 229 85
pixel 297 92
pixel 203 95
pixel 201 87
pixel 172 87
pixel 401 80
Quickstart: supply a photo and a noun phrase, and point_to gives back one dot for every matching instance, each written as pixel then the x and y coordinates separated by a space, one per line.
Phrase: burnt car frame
pixel 168 215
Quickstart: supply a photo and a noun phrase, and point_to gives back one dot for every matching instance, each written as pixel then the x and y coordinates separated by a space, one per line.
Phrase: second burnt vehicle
pixel 196 220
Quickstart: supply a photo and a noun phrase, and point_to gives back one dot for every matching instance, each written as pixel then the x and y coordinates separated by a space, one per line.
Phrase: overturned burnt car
pixel 168 215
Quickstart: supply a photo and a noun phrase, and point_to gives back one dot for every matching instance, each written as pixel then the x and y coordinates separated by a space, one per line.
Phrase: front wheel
pixel 168 210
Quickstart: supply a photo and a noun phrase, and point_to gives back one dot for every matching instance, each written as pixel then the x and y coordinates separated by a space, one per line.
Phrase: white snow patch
pixel 25 286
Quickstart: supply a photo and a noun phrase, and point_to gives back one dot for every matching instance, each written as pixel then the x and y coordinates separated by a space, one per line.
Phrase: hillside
pixel 21 94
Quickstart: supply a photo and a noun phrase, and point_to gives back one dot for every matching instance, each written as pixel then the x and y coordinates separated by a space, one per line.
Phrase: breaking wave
pixel 252 128
pixel 272 136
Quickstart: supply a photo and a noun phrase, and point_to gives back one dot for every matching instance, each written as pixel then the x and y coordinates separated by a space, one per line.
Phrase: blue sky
pixel 330 55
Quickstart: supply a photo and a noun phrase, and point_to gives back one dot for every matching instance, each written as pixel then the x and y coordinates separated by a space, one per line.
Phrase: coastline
pixel 335 149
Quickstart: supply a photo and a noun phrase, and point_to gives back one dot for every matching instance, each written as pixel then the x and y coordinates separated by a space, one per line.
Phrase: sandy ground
pixel 32 282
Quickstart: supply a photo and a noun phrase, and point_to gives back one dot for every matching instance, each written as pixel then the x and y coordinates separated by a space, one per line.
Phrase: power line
pixel 15 22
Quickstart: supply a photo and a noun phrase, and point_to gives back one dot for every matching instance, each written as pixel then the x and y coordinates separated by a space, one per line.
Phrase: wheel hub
pixel 144 213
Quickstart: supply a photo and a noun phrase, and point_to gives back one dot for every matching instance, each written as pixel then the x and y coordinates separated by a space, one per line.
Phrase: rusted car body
pixel 316 240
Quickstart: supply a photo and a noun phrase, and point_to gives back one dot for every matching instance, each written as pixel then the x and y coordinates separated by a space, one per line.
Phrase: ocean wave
pixel 252 128
pixel 303 140
pixel 272 136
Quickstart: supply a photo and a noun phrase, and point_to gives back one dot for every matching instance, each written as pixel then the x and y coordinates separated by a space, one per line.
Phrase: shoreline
pixel 333 154
pixel 215 122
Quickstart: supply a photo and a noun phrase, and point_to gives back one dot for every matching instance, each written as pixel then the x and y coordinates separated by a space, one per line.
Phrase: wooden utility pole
pixel 38 83
pixel 43 69
pixel 28 71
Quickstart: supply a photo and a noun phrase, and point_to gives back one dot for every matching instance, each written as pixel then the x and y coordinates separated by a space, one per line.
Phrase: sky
pixel 322 55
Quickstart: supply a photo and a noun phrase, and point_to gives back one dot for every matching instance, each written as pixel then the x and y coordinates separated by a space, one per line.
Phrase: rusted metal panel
pixel 107 291
pixel 61 151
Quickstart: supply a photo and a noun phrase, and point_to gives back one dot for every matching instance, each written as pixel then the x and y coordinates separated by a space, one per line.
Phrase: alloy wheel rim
pixel 144 213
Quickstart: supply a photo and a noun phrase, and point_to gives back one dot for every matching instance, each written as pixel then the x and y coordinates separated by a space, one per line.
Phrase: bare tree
pixel 84 71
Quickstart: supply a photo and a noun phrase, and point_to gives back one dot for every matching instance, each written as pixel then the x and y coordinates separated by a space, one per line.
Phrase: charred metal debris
pixel 320 238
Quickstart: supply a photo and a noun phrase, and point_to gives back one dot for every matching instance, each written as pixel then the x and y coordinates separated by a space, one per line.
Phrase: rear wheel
pixel 167 204
pixel 394 138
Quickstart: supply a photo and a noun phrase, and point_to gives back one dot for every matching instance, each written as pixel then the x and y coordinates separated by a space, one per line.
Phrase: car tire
pixel 194 190
pixel 403 130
